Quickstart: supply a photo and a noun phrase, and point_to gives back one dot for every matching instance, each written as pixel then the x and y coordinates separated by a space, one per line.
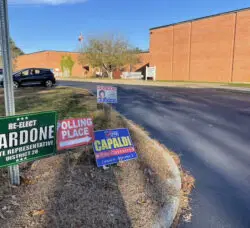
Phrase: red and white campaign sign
pixel 74 132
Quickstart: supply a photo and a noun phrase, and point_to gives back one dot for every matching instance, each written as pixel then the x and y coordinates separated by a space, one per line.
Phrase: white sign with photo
pixel 106 94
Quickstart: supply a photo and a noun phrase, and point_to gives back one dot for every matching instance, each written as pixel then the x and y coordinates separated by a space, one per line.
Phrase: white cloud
pixel 48 2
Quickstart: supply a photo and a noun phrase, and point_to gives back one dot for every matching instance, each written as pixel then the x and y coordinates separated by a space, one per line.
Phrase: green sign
pixel 27 137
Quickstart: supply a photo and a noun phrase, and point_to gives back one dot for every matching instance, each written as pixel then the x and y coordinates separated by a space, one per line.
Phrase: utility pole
pixel 8 80
pixel 80 39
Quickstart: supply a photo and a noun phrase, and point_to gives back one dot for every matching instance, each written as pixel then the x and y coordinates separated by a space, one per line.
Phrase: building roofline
pixel 48 51
pixel 201 18
pixel 142 52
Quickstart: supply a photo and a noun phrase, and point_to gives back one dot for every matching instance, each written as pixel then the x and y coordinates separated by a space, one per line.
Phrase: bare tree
pixel 109 54
pixel 15 52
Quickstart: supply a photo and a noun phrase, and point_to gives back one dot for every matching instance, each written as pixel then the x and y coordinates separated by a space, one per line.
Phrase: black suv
pixel 31 76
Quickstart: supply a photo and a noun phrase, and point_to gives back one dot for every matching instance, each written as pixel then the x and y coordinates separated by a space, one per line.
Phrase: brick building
pixel 52 60
pixel 215 48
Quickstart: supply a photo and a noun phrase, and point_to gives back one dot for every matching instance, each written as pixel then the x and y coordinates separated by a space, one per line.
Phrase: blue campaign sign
pixel 113 146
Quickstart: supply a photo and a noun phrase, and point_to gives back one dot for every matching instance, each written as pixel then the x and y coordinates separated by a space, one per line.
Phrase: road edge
pixel 167 214
pixel 191 85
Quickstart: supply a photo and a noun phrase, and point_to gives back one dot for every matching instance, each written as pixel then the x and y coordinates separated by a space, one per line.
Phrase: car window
pixel 34 72
pixel 1 71
pixel 37 72
pixel 25 73
pixel 45 71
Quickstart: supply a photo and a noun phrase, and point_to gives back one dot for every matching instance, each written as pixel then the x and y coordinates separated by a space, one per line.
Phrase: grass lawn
pixel 198 82
pixel 232 84
pixel 65 100
pixel 243 85
pixel 68 190
pixel 167 83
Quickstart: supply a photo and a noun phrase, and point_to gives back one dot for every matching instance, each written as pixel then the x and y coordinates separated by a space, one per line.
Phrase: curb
pixel 235 89
pixel 163 85
pixel 167 214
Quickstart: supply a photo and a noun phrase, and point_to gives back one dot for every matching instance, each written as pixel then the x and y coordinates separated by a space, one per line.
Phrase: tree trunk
pixel 110 73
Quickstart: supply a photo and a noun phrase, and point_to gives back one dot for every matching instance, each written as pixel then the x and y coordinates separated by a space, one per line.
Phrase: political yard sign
pixel 113 146
pixel 74 132
pixel 106 94
pixel 27 137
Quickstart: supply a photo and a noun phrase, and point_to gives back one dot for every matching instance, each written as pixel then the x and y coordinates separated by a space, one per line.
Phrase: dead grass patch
pixel 68 190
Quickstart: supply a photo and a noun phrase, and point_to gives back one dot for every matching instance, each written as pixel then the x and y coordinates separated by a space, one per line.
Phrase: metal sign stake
pixel 8 81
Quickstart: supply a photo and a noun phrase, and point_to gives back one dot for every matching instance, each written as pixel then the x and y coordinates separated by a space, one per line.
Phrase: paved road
pixel 211 130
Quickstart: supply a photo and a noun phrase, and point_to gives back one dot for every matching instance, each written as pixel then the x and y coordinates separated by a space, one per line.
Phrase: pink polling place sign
pixel 75 132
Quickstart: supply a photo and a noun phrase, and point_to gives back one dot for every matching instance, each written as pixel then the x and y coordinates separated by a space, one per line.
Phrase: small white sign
pixel 106 94
pixel 151 73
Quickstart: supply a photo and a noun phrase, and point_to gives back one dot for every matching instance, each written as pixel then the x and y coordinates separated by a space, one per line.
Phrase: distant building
pixel 52 60
pixel 214 49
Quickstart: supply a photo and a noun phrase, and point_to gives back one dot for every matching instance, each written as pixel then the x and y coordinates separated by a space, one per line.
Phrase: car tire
pixel 48 83
pixel 16 84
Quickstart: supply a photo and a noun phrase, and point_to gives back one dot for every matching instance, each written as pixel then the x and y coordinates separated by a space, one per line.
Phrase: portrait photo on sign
pixel 101 94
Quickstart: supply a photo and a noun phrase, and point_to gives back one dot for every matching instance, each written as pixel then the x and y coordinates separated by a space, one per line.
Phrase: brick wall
pixel 161 52
pixel 181 52
pixel 52 59
pixel 144 59
pixel 212 49
pixel 38 59
pixel 241 69
pixel 215 49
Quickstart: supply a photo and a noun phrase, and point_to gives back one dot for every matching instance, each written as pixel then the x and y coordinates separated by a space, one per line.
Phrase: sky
pixel 37 25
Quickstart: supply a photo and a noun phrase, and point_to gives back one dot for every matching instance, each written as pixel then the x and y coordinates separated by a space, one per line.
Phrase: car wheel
pixel 16 84
pixel 48 83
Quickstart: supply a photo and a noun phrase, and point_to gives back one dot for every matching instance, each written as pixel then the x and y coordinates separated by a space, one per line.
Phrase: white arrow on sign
pixel 75 141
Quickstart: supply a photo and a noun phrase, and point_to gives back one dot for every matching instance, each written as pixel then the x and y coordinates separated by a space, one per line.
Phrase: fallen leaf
pixel 46 174
pixel 1 216
pixel 105 167
pixel 13 186
pixel 34 165
pixel 10 211
pixel 28 181
pixel 187 217
pixel 121 164
pixel 142 199
pixel 37 212
pixel 14 203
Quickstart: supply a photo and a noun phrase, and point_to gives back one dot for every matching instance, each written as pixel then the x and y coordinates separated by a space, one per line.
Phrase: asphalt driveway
pixel 210 129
